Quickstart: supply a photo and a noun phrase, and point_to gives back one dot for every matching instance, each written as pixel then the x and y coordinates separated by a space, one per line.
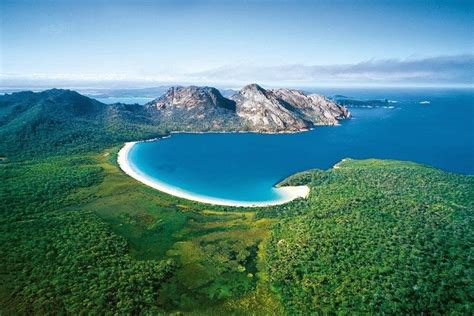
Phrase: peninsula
pixel 74 221
pixel 251 109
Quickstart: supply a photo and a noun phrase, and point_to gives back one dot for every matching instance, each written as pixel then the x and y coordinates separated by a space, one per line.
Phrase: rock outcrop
pixel 318 109
pixel 262 110
pixel 66 117
pixel 194 109
pixel 191 97
pixel 253 108
pixel 285 109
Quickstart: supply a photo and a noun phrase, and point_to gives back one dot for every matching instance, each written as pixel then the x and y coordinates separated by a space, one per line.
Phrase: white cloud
pixel 442 70
pixel 438 70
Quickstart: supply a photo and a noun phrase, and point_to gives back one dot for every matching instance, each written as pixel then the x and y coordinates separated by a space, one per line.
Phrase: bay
pixel 246 166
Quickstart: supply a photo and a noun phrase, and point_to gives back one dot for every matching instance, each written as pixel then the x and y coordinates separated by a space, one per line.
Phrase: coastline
pixel 287 193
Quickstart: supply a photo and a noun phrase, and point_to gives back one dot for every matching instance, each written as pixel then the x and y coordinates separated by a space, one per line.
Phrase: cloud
pixel 72 80
pixel 457 70
pixel 449 70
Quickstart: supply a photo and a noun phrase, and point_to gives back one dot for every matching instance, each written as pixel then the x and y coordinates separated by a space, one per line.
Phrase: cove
pixel 243 168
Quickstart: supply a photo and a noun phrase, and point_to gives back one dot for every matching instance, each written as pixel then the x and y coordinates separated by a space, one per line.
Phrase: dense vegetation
pixel 56 122
pixel 377 236
pixel 58 259
pixel 79 236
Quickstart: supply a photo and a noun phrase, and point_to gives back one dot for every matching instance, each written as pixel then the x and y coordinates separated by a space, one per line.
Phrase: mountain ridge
pixel 51 119
pixel 253 107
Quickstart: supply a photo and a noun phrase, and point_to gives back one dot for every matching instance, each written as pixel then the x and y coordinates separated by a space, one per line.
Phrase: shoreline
pixel 288 193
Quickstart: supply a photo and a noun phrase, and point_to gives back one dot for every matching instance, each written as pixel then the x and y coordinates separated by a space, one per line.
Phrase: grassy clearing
pixel 77 235
pixel 217 249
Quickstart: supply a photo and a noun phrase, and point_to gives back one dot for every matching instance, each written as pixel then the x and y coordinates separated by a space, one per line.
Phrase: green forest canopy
pixel 79 236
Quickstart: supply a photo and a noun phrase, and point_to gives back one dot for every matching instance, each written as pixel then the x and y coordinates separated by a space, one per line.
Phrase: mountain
pixel 227 92
pixel 48 103
pixel 60 121
pixel 55 117
pixel 253 108
pixel 63 120
pixel 78 236
pixel 285 109
pixel 194 109
pixel 319 109
pixel 192 96
pixel 262 110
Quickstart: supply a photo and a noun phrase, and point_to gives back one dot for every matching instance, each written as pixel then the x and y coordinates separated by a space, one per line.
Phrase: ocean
pixel 433 127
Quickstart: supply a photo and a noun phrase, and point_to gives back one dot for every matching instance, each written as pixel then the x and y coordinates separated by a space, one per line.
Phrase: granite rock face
pixel 194 109
pixel 253 108
pixel 262 110
pixel 285 109
pixel 318 109
pixel 191 97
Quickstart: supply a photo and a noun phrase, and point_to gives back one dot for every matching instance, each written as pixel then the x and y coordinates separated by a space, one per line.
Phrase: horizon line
pixel 43 87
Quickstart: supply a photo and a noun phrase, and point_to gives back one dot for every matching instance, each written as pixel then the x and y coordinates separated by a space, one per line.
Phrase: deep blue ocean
pixel 244 167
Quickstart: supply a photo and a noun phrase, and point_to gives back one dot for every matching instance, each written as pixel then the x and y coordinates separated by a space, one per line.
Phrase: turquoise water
pixel 244 167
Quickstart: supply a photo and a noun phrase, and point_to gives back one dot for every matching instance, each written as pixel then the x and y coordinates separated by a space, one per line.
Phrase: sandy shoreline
pixel 287 193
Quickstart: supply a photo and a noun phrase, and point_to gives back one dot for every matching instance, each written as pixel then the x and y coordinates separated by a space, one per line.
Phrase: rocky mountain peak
pixel 253 107
pixel 252 88
pixel 191 97
pixel 319 109
pixel 260 108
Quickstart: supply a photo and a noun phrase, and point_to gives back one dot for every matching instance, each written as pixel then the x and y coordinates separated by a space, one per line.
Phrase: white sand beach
pixel 287 193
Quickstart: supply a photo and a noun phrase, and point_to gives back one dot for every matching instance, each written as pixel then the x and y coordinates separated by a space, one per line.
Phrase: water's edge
pixel 286 193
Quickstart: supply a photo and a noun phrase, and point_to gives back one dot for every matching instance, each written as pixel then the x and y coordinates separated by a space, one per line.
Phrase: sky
pixel 308 43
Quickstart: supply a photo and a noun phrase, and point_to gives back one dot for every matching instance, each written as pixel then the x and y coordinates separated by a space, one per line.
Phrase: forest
pixel 376 236
pixel 78 236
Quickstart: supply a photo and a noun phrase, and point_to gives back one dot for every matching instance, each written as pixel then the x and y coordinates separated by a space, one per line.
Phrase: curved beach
pixel 287 193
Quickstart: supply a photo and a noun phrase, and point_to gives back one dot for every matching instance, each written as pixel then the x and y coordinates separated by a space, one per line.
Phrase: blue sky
pixel 231 42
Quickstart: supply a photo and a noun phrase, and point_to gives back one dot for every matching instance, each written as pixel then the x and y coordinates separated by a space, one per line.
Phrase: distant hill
pixel 124 93
pixel 56 120
pixel 33 124
pixel 356 103
pixel 227 92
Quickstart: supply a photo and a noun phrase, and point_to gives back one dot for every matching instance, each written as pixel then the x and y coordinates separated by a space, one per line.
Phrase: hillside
pixel 194 109
pixel 56 121
pixel 383 237
pixel 253 108
pixel 78 236
pixel 64 121
pixel 285 109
